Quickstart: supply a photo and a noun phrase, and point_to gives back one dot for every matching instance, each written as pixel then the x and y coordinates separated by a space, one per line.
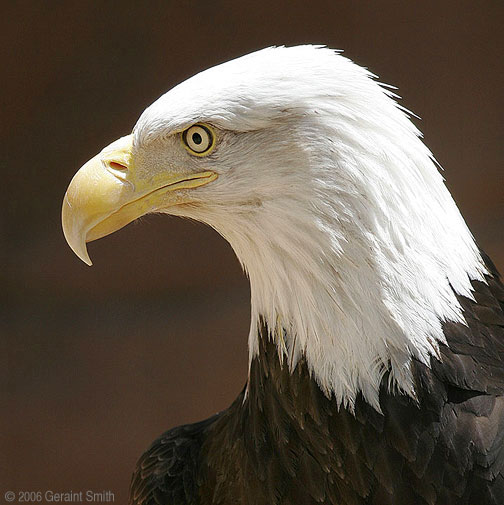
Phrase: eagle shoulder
pixel 167 473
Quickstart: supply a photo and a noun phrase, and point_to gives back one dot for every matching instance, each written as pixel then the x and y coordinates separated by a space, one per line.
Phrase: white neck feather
pixel 360 267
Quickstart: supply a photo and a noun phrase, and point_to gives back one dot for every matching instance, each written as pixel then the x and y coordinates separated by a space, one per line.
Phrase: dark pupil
pixel 196 137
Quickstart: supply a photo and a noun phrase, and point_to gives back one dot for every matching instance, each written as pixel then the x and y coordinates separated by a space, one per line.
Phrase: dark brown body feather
pixel 284 442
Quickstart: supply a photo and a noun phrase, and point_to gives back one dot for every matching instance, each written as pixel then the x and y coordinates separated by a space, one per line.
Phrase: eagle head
pixel 319 181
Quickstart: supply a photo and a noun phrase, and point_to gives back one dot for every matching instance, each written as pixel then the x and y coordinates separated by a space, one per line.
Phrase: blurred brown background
pixel 97 362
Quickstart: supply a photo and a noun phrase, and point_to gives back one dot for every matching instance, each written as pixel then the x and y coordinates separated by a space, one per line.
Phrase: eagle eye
pixel 199 139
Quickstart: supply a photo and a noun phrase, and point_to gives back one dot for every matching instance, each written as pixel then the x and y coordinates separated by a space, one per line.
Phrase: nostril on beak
pixel 118 166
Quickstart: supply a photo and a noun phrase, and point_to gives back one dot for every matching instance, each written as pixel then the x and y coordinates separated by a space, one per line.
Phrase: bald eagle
pixel 376 372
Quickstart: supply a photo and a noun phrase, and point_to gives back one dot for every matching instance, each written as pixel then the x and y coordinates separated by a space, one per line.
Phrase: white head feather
pixel 335 208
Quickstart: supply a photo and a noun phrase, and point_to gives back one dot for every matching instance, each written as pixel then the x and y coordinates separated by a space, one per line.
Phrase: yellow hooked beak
pixel 107 194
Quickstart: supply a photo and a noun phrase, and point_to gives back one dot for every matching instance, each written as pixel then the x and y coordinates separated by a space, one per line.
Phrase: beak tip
pixel 87 261
pixel 82 254
pixel 74 232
